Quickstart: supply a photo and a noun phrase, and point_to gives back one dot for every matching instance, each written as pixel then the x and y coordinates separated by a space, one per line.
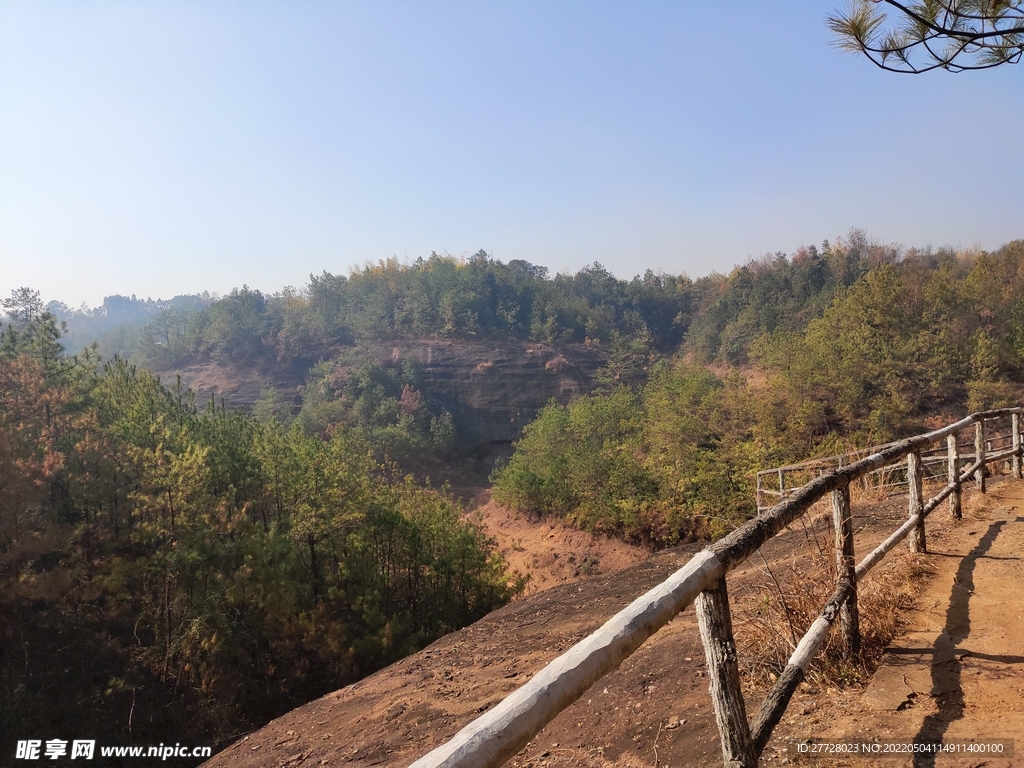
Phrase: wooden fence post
pixel 914 482
pixel 953 477
pixel 979 454
pixel 723 670
pixel 846 565
pixel 1015 421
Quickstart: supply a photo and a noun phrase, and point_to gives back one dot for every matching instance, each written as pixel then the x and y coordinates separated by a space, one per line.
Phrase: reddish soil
pixel 396 715
pixel 652 711
pixel 550 551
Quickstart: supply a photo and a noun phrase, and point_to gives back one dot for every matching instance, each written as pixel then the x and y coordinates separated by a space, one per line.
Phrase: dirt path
pixel 958 672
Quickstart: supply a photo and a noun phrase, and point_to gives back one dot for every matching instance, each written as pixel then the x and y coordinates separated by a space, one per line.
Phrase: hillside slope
pixel 492 388
pixel 653 710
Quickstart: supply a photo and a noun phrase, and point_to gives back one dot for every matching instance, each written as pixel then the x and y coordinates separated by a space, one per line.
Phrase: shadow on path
pixel 946 676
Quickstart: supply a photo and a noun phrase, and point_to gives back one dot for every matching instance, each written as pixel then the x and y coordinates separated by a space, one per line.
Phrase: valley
pixel 276 496
pixel 654 709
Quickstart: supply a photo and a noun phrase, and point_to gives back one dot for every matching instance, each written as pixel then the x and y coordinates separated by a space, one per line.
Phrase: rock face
pixel 492 388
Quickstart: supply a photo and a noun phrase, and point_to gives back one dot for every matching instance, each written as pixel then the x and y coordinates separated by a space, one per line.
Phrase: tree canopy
pixel 172 570
pixel 955 35
pixel 809 371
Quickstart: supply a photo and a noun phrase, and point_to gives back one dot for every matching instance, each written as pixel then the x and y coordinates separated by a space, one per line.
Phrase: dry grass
pixel 771 614
pixel 774 611
pixel 557 363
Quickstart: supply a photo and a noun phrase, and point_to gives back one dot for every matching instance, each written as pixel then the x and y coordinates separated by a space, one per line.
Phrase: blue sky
pixel 176 147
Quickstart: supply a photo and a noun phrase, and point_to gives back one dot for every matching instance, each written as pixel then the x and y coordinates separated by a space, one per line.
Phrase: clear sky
pixel 176 147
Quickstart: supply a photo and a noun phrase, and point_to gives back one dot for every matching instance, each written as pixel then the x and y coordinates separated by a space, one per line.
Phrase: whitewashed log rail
pixel 497 735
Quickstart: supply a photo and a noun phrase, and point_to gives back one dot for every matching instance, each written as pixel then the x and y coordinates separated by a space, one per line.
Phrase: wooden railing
pixel 778 483
pixel 497 735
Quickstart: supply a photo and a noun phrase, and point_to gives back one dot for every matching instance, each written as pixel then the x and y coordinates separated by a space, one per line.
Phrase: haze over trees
pixel 118 322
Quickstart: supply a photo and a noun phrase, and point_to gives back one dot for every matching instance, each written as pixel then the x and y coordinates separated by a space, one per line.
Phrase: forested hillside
pixel 676 458
pixel 853 341
pixel 170 566
pixel 321 335
pixel 448 297
pixel 174 572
